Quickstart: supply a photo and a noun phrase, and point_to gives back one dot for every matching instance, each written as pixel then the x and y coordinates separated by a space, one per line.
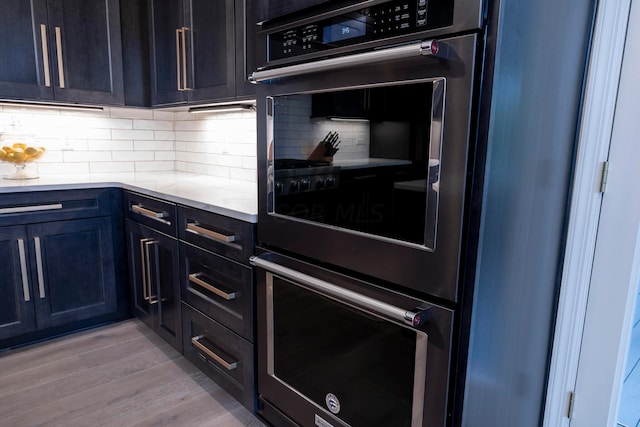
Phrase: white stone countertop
pixel 236 199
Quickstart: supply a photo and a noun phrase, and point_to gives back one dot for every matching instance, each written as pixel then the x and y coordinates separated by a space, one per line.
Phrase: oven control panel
pixel 389 19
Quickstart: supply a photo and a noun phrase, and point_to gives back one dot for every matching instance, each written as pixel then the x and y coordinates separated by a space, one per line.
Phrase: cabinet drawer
pixel 151 212
pixel 41 206
pixel 220 288
pixel 226 236
pixel 224 356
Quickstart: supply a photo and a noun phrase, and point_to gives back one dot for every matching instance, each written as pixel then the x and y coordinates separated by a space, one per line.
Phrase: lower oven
pixel 335 351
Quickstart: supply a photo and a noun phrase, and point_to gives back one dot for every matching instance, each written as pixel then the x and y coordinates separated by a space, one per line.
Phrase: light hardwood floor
pixel 116 375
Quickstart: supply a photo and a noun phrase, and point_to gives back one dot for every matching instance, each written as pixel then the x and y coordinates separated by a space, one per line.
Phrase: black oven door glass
pixel 355 365
pixel 368 159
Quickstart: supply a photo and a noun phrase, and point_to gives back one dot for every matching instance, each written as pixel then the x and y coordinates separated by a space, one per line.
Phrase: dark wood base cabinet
pixel 223 355
pixel 59 263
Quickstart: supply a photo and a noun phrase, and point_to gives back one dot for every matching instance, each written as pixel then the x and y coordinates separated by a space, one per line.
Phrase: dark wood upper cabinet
pixel 61 50
pixel 198 50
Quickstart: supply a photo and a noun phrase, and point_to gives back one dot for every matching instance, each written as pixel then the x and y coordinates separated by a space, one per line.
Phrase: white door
pixel 596 307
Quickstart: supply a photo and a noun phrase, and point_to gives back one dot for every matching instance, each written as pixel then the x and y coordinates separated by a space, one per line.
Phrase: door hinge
pixel 605 175
pixel 572 401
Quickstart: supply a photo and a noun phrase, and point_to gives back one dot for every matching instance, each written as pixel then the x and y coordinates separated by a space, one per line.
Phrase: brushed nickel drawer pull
pixel 228 366
pixel 60 60
pixel 35 208
pixel 147 212
pixel 36 240
pixel 195 278
pixel 23 271
pixel 45 55
pixel 195 228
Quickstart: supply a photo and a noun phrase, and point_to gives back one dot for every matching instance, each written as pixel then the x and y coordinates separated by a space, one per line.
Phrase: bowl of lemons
pixel 21 154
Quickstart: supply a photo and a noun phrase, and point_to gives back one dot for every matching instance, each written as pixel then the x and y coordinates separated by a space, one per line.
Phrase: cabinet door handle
pixel 36 241
pixel 143 268
pixel 23 270
pixel 25 209
pixel 151 298
pixel 60 61
pixel 195 278
pixel 184 58
pixel 195 228
pixel 45 55
pixel 228 366
pixel 149 213
pixel 178 57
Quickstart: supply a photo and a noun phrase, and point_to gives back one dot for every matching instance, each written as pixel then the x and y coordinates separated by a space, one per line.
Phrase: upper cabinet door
pixel 24 62
pixel 246 29
pixel 167 52
pixel 86 51
pixel 211 43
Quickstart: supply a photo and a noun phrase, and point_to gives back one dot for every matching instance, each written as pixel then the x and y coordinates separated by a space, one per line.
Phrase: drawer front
pixel 151 212
pixel 42 206
pixel 226 236
pixel 220 288
pixel 224 356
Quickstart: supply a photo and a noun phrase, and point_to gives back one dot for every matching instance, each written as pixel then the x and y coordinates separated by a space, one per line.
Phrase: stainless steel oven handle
pixel 409 317
pixel 424 48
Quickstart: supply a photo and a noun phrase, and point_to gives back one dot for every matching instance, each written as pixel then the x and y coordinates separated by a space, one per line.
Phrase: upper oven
pixel 362 160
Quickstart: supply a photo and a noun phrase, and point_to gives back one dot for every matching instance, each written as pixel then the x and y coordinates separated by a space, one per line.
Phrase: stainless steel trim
pixel 336 292
pixel 23 270
pixel 419 379
pixel 194 278
pixel 60 61
pixel 435 162
pixel 424 48
pixel 35 208
pixel 178 67
pixel 228 366
pixel 152 299
pixel 36 241
pixel 269 326
pixel 44 43
pixel 195 228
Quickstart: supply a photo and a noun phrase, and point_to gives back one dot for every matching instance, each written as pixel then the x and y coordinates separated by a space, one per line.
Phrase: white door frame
pixel 592 286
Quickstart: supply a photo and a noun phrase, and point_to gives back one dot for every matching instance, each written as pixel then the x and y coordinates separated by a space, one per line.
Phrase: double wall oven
pixel 365 140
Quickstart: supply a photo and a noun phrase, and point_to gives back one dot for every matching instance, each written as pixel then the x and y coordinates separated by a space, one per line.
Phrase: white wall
pixel 134 140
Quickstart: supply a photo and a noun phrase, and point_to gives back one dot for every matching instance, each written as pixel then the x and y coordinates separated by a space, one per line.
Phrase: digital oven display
pixel 344 30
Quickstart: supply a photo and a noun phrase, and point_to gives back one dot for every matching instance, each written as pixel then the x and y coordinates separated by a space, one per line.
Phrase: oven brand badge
pixel 332 403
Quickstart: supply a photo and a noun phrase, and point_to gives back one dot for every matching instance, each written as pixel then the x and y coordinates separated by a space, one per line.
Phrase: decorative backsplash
pixel 136 140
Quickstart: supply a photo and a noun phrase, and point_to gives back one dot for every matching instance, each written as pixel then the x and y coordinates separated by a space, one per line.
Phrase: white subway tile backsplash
pixel 129 156
pixel 132 139
pixel 131 134
pixel 154 166
pixel 153 125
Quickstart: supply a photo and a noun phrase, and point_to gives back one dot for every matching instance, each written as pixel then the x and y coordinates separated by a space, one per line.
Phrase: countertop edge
pixel 239 215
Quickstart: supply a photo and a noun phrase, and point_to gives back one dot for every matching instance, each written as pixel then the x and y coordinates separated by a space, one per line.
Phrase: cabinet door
pixel 211 42
pixel 167 79
pixel 155 280
pixel 86 51
pixel 72 266
pixel 246 29
pixel 17 314
pixel 22 68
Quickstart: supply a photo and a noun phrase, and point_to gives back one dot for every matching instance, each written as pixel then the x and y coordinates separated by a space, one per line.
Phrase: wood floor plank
pixel 119 375
pixel 77 381
pixel 70 345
